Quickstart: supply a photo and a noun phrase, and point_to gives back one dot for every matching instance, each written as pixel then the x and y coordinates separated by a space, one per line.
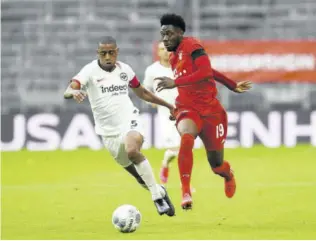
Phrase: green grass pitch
pixel 71 195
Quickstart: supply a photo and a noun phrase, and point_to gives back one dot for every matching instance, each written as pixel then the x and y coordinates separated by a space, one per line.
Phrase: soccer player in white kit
pixel 170 135
pixel 106 82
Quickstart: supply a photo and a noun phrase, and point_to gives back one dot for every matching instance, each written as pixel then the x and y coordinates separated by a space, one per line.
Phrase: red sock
pixel 185 161
pixel 223 170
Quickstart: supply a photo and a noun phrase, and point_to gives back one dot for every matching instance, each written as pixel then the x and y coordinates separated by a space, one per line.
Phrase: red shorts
pixel 212 128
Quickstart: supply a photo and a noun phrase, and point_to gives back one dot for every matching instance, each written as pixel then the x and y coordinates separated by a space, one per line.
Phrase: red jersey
pixel 199 96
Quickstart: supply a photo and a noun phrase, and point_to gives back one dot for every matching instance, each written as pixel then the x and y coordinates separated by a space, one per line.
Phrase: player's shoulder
pixel 123 66
pixel 153 67
pixel 191 43
pixel 91 66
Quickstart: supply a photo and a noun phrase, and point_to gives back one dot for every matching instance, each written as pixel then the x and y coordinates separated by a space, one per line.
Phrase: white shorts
pixel 169 134
pixel 115 144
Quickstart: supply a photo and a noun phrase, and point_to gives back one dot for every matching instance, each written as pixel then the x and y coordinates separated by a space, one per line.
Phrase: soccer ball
pixel 126 218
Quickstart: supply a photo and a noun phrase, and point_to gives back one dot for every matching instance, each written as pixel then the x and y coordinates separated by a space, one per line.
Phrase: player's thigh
pixel 133 136
pixel 188 122
pixel 117 150
pixel 214 131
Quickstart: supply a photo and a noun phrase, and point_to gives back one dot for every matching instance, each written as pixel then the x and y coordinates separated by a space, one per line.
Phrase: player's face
pixel 107 55
pixel 162 52
pixel 171 37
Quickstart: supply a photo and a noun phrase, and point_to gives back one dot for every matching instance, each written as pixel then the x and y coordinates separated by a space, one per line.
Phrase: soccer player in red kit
pixel 198 111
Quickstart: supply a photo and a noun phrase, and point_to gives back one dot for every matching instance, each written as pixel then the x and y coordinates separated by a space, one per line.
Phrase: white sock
pixel 169 155
pixel 145 171
pixel 161 190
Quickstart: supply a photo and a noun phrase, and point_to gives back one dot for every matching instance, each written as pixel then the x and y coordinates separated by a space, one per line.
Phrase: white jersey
pixel 168 134
pixel 108 95
pixel 158 70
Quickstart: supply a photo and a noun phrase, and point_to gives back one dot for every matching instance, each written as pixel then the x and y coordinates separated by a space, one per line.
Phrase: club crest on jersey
pixel 123 76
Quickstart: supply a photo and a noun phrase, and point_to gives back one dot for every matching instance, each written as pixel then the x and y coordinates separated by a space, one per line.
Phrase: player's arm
pixel 219 77
pixel 238 87
pixel 73 92
pixel 146 95
pixel 203 72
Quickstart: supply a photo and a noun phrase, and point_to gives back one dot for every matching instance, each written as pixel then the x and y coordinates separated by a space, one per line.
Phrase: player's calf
pixel 226 172
pixel 132 170
pixel 133 142
pixel 223 169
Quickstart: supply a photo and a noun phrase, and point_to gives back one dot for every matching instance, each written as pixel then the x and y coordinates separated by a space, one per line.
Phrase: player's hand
pixel 172 114
pixel 243 86
pixel 165 83
pixel 79 95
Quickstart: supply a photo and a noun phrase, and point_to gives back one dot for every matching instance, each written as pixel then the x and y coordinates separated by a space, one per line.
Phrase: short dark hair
pixel 108 40
pixel 173 19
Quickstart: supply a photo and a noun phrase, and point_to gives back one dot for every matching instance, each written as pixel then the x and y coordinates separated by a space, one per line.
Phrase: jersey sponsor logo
pixel 123 76
pixel 113 88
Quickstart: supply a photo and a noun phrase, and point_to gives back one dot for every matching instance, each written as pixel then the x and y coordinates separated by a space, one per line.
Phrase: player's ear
pixel 179 31
pixel 117 50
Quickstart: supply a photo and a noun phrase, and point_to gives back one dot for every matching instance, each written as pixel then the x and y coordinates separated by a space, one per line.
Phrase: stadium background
pixel 45 42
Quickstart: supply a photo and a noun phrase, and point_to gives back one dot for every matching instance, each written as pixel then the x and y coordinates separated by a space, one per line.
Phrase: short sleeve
pixel 133 82
pixel 83 76
pixel 129 71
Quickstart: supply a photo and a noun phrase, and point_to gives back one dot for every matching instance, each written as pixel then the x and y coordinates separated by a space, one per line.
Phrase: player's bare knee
pixel 187 126
pixel 187 130
pixel 132 153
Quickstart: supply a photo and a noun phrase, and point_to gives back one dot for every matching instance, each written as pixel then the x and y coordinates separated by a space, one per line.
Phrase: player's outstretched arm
pixel 238 87
pixel 148 96
pixel 221 78
pixel 73 92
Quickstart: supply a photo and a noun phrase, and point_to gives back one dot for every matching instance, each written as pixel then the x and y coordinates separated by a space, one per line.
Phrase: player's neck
pixel 164 63
pixel 181 39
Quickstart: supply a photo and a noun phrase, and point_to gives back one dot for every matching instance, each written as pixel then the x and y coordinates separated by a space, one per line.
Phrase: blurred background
pixel 270 42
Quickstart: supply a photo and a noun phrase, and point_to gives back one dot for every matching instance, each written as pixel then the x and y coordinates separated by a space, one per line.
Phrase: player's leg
pixel 169 155
pixel 171 141
pixel 133 142
pixel 188 125
pixel 213 135
pixel 117 149
pixel 132 170
pixel 223 169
